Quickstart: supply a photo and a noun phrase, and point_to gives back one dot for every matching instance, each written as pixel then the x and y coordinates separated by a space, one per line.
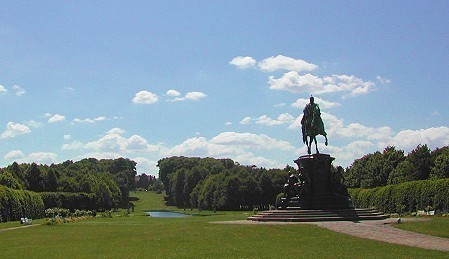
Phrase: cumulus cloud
pixel 19 90
pixel 54 118
pixel 192 96
pixel 283 118
pixel 37 157
pixel 14 129
pixel 294 82
pixel 302 102
pixel 114 143
pixel 237 146
pixel 246 120
pixel 14 155
pixel 145 97
pixel 2 89
pixel 172 92
pixel 281 62
pixel 408 139
pixel 89 120
pixel 243 62
pixel 33 123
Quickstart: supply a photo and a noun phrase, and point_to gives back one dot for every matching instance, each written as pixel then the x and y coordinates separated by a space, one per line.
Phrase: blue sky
pixel 229 79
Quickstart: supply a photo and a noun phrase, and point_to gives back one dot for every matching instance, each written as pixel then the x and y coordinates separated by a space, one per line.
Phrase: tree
pixel 34 178
pixel 51 180
pixel 143 182
pixel 420 159
pixel 8 180
pixel 441 167
pixel 404 172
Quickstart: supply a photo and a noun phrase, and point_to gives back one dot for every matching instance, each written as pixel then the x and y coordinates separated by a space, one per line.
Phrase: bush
pixel 69 200
pixel 15 204
pixel 404 197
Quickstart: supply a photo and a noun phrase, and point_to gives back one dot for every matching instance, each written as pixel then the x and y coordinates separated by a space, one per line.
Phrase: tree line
pixel 391 166
pixel 220 184
pixel 105 182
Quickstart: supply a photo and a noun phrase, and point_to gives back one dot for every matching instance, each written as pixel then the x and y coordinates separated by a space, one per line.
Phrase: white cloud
pixel 114 143
pixel 281 119
pixel 19 90
pixel 308 83
pixel 67 137
pixel 56 118
pixel 75 145
pixel 383 80
pixel 172 92
pixel 14 155
pixel 13 129
pixel 37 157
pixel 89 120
pixel 195 96
pixel 192 96
pixel 3 89
pixel 34 124
pixel 301 103
pixel 246 120
pixel 250 141
pixel 409 139
pixel 42 157
pixel 243 62
pixel 145 97
pixel 146 165
pixel 285 63
pixel 116 131
pixel 237 146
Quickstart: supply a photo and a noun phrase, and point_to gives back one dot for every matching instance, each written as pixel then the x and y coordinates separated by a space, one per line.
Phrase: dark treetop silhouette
pixel 312 125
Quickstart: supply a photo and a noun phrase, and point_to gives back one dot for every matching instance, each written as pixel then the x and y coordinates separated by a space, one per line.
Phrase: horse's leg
pixel 316 145
pixel 325 143
pixel 309 144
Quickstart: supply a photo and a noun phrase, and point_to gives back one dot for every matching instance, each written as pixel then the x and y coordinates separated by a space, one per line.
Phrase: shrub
pixel 404 197
pixel 69 200
pixel 15 204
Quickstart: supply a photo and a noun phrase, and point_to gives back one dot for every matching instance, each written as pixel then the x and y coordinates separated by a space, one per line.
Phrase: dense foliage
pixel 219 184
pixel 404 197
pixel 86 184
pixel 393 167
pixel 15 204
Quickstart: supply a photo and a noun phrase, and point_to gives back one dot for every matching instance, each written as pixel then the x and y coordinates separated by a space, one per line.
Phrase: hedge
pixel 404 197
pixel 69 200
pixel 16 204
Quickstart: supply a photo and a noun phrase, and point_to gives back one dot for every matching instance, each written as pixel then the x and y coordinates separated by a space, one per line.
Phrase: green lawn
pixel 438 226
pixel 193 237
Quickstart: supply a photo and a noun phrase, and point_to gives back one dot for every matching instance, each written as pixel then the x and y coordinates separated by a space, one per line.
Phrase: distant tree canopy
pixel 110 180
pixel 220 184
pixel 393 167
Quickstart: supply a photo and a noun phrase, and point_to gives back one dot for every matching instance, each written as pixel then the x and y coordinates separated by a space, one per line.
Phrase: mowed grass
pixel 438 226
pixel 141 236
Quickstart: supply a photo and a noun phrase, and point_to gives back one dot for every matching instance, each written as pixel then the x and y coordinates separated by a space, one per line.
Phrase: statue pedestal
pixel 320 189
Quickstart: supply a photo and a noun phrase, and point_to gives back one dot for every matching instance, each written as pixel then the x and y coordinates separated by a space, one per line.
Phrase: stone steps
pixel 298 215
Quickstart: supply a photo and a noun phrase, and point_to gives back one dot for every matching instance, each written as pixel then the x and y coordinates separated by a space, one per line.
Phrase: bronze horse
pixel 312 125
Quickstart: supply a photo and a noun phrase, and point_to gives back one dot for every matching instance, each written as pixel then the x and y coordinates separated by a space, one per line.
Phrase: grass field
pixel 141 236
pixel 438 226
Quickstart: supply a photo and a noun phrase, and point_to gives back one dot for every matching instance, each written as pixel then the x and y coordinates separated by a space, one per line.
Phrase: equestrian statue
pixel 312 125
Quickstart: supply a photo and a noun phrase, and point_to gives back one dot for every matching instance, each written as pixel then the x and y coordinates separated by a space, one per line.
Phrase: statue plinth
pixel 320 188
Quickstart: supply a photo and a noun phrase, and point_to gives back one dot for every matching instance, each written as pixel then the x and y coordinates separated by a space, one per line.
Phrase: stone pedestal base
pixel 320 189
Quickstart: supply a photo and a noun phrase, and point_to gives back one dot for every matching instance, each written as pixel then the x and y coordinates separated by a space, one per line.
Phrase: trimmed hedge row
pixel 69 200
pixel 15 204
pixel 404 197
